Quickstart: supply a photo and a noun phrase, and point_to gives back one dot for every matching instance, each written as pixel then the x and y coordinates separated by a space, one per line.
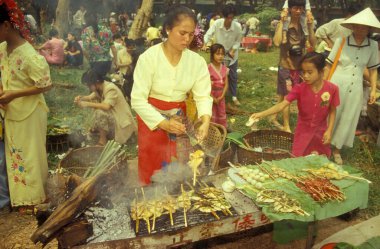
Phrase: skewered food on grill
pixel 196 159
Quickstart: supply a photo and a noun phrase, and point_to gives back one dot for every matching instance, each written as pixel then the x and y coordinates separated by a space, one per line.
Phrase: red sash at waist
pixel 164 105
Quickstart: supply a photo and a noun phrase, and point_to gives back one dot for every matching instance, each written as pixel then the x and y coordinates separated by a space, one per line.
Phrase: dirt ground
pixel 15 231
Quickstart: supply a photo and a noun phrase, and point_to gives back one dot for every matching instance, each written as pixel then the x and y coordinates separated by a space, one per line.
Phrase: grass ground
pixel 256 90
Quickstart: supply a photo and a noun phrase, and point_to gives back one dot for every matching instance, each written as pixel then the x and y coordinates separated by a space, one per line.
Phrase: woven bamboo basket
pixel 213 142
pixel 279 144
pixel 227 155
pixel 79 160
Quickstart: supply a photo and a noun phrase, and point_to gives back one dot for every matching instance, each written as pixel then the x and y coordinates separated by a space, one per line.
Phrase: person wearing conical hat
pixel 358 53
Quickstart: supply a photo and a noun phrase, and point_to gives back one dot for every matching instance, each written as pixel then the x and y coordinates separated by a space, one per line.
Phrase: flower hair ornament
pixel 17 18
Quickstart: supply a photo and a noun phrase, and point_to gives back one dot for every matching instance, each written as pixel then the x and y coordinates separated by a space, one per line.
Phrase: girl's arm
pixel 101 106
pixel 225 88
pixel 326 71
pixel 331 120
pixel 9 95
pixel 372 80
pixel 277 39
pixel 310 27
pixel 274 109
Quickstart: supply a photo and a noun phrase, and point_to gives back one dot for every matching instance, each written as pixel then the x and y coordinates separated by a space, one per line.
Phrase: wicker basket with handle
pixel 278 144
pixel 213 143
pixel 227 155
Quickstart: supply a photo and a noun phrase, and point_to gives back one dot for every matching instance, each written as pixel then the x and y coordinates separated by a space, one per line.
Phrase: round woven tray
pixel 79 160
pixel 280 142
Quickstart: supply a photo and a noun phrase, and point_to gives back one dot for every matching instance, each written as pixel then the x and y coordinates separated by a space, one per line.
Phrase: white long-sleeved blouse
pixel 155 77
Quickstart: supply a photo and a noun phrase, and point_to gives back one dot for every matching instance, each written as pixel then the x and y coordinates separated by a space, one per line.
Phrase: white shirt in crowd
pixel 333 30
pixel 78 18
pixel 229 38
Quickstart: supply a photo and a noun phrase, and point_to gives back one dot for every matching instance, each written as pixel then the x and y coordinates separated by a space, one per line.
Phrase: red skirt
pixel 156 148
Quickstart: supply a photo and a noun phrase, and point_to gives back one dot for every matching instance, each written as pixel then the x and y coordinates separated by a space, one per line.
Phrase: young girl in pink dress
pixel 219 80
pixel 317 100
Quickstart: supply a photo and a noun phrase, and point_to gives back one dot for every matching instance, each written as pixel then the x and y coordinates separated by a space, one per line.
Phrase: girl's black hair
pixel 296 3
pixel 214 49
pixel 129 42
pixel 4 16
pixel 90 77
pixel 92 20
pixel 74 34
pixel 315 58
pixel 173 16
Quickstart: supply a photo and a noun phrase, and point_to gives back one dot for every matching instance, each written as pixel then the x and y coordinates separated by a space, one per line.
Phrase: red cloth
pixel 312 118
pixel 217 80
pixel 156 148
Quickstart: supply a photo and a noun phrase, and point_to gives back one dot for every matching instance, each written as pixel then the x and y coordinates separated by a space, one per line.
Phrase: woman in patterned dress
pixel 25 76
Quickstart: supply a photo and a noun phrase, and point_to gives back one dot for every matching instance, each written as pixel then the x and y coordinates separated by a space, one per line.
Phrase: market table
pixel 250 43
pixel 247 214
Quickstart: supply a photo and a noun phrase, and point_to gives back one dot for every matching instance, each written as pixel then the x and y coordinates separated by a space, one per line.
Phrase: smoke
pixel 168 180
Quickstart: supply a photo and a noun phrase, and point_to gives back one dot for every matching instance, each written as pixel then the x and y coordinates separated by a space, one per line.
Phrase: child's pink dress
pixel 217 80
pixel 313 112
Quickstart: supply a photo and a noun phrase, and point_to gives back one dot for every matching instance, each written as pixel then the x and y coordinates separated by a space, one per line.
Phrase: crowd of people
pixel 157 83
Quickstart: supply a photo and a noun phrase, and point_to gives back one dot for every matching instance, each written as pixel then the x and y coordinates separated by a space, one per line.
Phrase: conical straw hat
pixel 364 17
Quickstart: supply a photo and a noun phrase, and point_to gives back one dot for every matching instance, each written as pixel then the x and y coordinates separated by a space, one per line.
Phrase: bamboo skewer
pixel 146 218
pixel 154 213
pixel 137 216
pixel 184 205
pixel 266 171
pixel 170 209
pixel 194 176
pixel 215 215
pixel 344 175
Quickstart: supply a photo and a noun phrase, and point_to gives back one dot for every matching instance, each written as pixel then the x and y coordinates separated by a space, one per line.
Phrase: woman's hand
pixel 255 116
pixel 7 96
pixel 173 126
pixel 326 137
pixel 202 131
pixel 372 97
pixel 215 100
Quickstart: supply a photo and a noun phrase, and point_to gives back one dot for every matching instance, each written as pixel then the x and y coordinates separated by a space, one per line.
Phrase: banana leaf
pixel 356 192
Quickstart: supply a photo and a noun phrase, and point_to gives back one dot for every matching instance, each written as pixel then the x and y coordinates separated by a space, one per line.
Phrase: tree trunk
pixel 140 23
pixel 62 12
